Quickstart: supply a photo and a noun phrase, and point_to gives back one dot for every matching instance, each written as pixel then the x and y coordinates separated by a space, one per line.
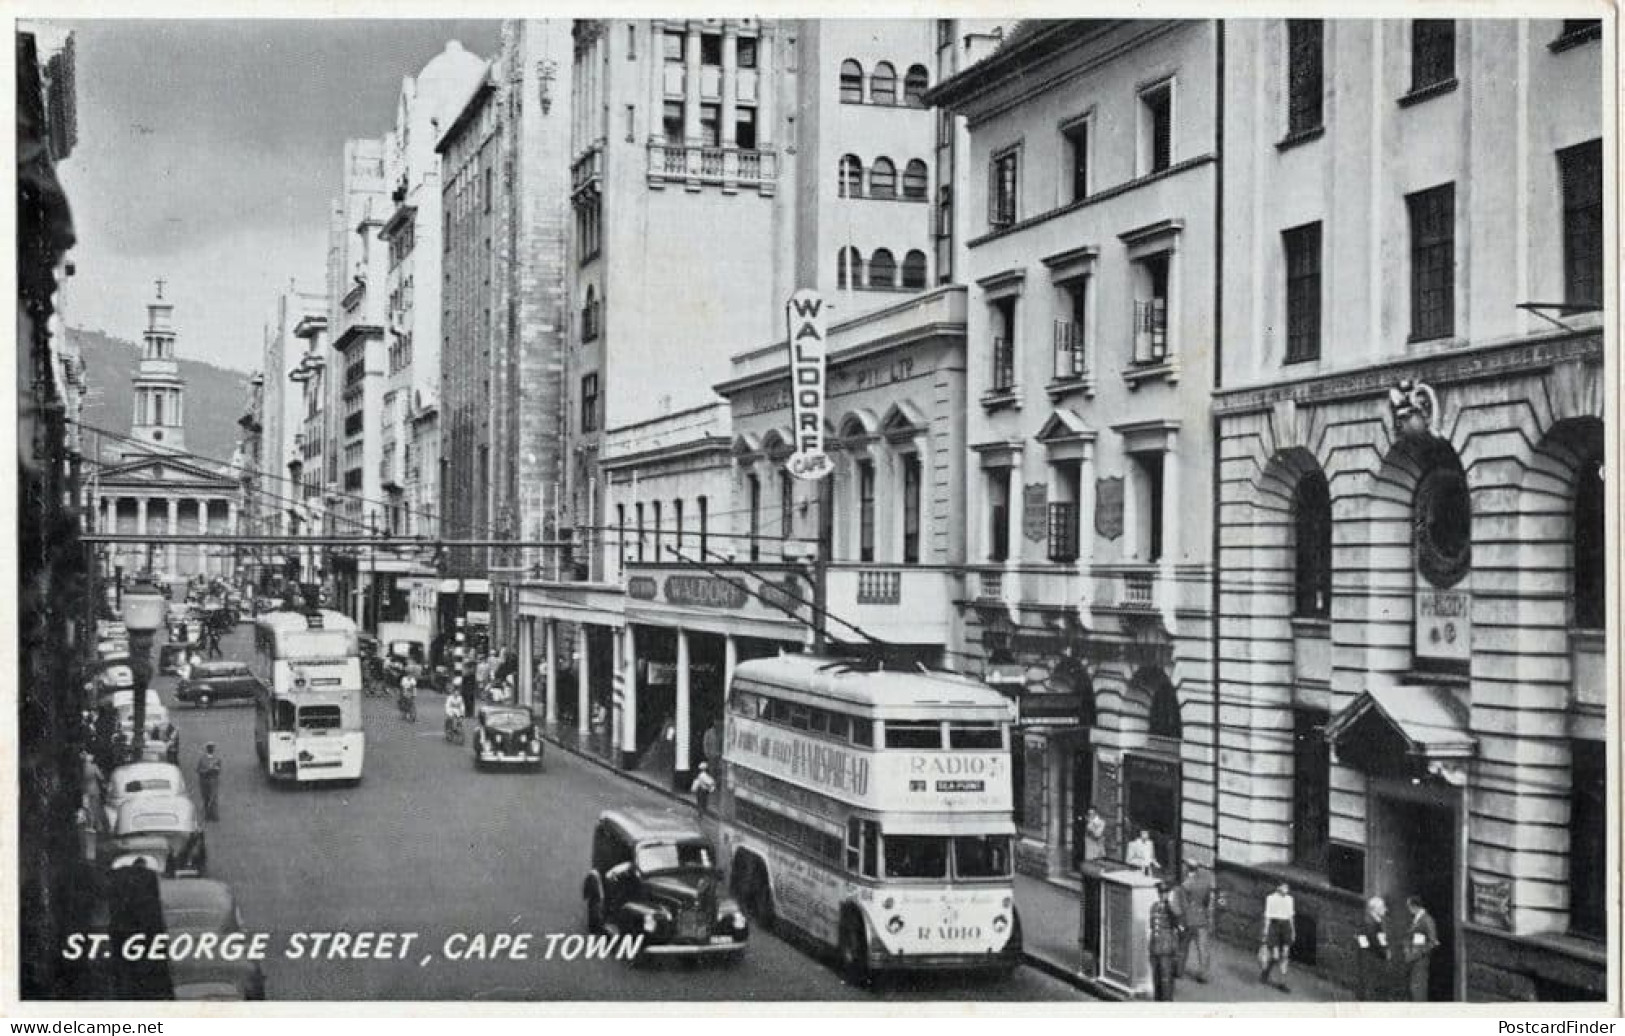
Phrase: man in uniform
pixel 209 766
pixel 1164 943
pixel 1420 942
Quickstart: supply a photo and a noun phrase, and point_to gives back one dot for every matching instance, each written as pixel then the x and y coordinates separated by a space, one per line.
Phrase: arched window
pixel 1312 546
pixel 914 269
pixel 851 176
pixel 849 268
pixel 882 269
pixel 914 180
pixel 883 179
pixel 851 82
pixel 914 86
pixel 1590 568
pixel 883 84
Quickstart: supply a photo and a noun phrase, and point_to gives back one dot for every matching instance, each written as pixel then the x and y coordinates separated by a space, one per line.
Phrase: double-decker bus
pixel 871 811
pixel 307 710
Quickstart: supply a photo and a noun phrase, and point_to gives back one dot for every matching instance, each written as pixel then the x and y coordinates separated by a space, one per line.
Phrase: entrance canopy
pixel 1396 731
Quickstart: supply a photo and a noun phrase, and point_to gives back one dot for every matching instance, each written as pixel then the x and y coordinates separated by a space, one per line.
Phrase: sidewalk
pixel 1049 922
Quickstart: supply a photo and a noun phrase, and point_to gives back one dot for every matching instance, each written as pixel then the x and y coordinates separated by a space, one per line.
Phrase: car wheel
pixel 854 952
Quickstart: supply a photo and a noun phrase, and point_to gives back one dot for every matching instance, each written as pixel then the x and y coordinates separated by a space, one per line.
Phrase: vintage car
pixel 111 672
pixel 136 779
pixel 506 735
pixel 210 682
pixel 165 829
pixel 197 906
pixel 655 872
pixel 163 740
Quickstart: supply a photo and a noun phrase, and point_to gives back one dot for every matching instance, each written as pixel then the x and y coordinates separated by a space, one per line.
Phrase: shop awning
pixel 1393 728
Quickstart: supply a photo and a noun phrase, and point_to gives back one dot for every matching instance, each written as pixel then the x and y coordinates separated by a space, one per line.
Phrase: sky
pixel 209 155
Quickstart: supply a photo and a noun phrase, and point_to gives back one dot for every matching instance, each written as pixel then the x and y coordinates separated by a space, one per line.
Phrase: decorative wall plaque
pixel 1491 901
pixel 1035 512
pixel 1109 507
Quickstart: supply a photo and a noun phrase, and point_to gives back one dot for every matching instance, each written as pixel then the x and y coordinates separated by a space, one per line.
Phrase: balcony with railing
pixel 905 604
pixel 1134 589
pixel 697 165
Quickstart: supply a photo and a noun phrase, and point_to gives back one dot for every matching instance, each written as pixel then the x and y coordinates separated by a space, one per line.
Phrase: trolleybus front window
pixel 905 734
pixel 319 717
pixel 916 856
pixel 982 856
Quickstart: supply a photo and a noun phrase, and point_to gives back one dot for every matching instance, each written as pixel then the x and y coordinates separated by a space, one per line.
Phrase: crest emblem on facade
pixel 1109 507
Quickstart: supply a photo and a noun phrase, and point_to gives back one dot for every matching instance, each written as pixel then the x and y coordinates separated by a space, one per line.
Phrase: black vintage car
pixel 506 735
pixel 655 873
pixel 210 682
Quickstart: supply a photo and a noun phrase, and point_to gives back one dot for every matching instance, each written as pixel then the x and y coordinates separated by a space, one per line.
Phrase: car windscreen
pixel 666 856
pixel 320 717
pixel 916 856
pixel 982 856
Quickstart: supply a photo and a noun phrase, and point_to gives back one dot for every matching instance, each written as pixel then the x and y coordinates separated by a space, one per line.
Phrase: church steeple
pixel 160 393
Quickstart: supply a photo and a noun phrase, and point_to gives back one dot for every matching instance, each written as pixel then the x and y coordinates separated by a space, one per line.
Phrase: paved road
pixel 426 844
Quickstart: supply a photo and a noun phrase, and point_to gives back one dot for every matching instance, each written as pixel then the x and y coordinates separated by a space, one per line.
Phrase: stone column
pixel 143 551
pixel 680 767
pixel 691 96
pixel 583 685
pixel 172 552
pixel 227 568
pixel 550 672
pixel 629 699
pixel 1015 517
pixel 1166 585
pixel 730 658
pixel 527 651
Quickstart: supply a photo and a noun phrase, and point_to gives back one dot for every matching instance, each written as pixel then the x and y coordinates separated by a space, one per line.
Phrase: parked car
pixel 163 740
pixel 111 673
pixel 135 779
pixel 210 682
pixel 198 906
pixel 506 735
pixel 655 873
pixel 165 829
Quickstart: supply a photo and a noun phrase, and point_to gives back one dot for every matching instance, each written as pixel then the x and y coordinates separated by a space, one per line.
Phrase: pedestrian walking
pixel 467 690
pixel 1164 943
pixel 1420 942
pixel 1201 917
pixel 1280 932
pixel 1371 942
pixel 212 639
pixel 704 784
pixel 209 766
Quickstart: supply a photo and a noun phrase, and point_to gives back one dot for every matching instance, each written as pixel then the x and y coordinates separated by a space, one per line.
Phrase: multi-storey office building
pixel 308 466
pixel 281 413
pixel 357 278
pixel 810 142
pixel 1412 585
pixel 412 236
pixel 1093 162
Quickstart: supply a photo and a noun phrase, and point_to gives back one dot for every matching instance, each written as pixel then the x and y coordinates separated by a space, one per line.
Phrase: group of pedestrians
pixel 1182 918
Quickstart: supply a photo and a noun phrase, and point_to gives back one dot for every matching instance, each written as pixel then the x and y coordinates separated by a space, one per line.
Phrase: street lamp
pixel 1416 408
pixel 143 611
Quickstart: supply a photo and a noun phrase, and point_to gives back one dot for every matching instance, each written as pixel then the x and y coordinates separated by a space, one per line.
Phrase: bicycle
pixel 454 729
pixel 409 707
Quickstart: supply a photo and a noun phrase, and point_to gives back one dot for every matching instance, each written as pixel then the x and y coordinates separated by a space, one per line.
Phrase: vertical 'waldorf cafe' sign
pixel 808 384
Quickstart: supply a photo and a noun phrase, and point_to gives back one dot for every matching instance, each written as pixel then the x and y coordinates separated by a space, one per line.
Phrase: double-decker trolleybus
pixel 871 811
pixel 307 711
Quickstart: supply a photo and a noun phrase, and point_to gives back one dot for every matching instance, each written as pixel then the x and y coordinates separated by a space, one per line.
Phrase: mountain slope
pixel 215 396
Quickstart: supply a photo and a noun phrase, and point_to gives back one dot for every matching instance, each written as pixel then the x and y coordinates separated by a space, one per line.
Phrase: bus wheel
pixel 854 952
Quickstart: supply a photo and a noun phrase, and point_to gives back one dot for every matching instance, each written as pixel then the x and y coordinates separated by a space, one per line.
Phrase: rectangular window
pixel 1581 170
pixel 998 514
pixel 1002 186
pixel 866 511
pixel 1151 308
pixel 710 125
pixel 745 128
pixel 671 121
pixel 641 543
pixel 1311 789
pixel 1157 128
pixel 911 509
pixel 487 189
pixel 1148 504
pixel 745 54
pixel 589 402
pixel 1302 246
pixel 1305 75
pixel 620 526
pixel 787 505
pixel 1588 839
pixel 704 506
pixel 1433 52
pixel 1433 262
pixel 975 736
pixel 1071 359
pixel 1004 345
pixel 711 50
pixel 1076 137
pixel 671 47
pixel 657 530
pixel 677 524
pixel 755 493
pixel 1063 531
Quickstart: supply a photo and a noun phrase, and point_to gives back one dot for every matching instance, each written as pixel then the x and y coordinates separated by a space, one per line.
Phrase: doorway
pixel 1080 787
pixel 1414 852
